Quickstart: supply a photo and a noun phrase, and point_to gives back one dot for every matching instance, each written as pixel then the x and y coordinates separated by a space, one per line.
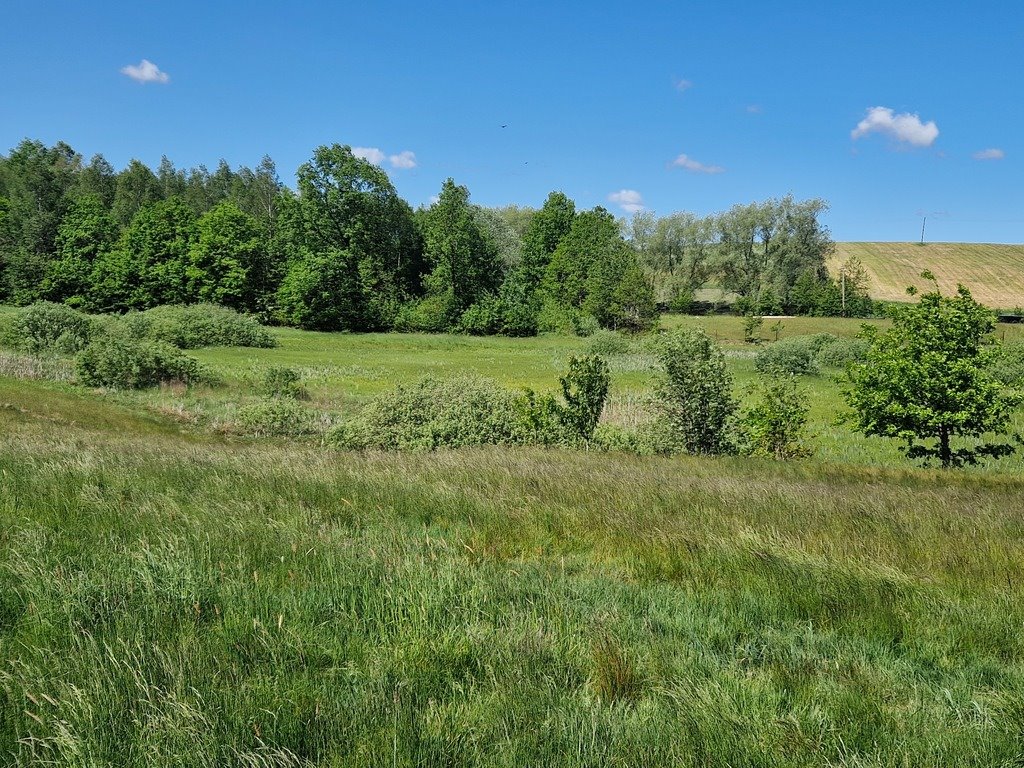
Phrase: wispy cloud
pixel 682 84
pixel 370 154
pixel 754 109
pixel 989 154
pixel 693 166
pixel 404 159
pixel 146 72
pixel 628 200
pixel 904 127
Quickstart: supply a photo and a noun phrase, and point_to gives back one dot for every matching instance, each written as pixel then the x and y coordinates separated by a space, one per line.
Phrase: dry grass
pixel 994 273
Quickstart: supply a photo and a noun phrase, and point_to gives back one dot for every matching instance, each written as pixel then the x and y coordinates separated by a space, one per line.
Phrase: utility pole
pixel 922 229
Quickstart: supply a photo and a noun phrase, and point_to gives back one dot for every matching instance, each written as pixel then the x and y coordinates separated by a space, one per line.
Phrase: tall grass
pixel 178 599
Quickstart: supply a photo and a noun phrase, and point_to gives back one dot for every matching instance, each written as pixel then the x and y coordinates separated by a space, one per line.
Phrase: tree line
pixel 342 251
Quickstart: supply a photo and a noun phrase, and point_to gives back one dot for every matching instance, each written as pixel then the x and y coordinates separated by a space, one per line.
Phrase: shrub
pixel 611 437
pixel 48 327
pixel 1007 366
pixel 198 325
pixel 695 396
pixel 483 318
pixel 795 355
pixel 774 426
pixel 428 315
pixel 839 353
pixel 282 381
pixel 120 362
pixel 584 389
pixel 607 343
pixel 275 417
pixel 437 413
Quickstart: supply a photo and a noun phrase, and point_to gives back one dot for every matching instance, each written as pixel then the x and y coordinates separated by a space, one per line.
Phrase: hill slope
pixel 994 273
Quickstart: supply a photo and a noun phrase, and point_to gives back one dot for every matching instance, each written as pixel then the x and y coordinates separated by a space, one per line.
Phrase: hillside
pixel 994 273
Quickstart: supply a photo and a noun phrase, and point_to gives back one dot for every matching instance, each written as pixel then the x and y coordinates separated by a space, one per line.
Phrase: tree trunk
pixel 945 456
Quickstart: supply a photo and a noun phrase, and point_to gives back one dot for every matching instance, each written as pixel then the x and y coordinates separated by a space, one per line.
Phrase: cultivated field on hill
pixel 994 273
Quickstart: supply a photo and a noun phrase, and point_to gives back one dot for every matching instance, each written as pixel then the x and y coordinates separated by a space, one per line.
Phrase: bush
pixel 428 315
pixel 281 381
pixel 607 343
pixel 555 318
pixel 839 353
pixel 120 362
pixel 796 355
pixel 695 397
pixel 198 325
pixel 774 426
pixel 1007 366
pixel 437 413
pixel 483 318
pixel 47 327
pixel 584 389
pixel 275 417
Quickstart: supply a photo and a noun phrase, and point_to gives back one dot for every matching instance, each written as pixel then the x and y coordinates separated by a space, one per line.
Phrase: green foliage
pixel 275 417
pixel 464 262
pixel 928 379
pixel 198 325
pixel 45 327
pixel 282 381
pixel 85 232
pixel 227 260
pixel 804 355
pixel 321 292
pixel 353 249
pixel 118 361
pixel 436 413
pixel 149 265
pixel 584 389
pixel 428 315
pixel 775 425
pixel 606 343
pixel 1007 365
pixel 839 353
pixel 752 325
pixel 695 397
pixel 546 229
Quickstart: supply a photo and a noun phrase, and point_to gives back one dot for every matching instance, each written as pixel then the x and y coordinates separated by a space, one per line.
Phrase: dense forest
pixel 342 251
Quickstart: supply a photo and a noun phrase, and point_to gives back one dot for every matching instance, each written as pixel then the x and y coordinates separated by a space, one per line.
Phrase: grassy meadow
pixel 173 593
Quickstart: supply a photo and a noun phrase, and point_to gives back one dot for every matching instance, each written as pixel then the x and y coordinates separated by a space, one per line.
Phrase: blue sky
pixel 672 106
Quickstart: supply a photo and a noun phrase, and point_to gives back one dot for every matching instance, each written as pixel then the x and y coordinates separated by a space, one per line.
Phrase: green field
pixel 174 593
pixel 994 273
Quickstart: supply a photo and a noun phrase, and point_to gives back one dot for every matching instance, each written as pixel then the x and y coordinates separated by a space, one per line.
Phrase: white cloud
pixel 404 159
pixel 691 165
pixel 628 200
pixel 754 109
pixel 146 72
pixel 684 85
pixel 989 154
pixel 370 154
pixel 903 127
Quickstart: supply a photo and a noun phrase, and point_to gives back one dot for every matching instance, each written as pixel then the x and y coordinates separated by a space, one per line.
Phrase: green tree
pixel 349 229
pixel 149 264
pixel 546 229
pixel 227 259
pixel 926 381
pixel 593 238
pixel 696 395
pixel 465 263
pixel 85 233
pixel 774 426
pixel 137 186
pixel 35 181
